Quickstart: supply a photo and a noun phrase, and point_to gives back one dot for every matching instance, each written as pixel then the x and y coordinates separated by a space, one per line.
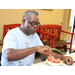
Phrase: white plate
pixel 54 64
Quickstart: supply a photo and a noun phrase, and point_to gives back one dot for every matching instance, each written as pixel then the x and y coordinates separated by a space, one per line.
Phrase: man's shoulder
pixel 13 31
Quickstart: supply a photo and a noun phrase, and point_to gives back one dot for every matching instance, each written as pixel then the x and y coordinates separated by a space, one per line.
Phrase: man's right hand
pixel 44 50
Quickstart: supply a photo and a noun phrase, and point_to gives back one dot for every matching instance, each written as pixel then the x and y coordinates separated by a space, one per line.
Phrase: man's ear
pixel 23 21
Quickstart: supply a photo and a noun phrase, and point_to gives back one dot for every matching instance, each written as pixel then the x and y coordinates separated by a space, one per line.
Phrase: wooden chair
pixel 50 35
pixel 8 27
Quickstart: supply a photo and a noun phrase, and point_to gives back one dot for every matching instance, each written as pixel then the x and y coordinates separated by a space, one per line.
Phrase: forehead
pixel 32 17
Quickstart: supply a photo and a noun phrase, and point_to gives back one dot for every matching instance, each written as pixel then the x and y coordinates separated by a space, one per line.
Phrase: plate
pixel 54 64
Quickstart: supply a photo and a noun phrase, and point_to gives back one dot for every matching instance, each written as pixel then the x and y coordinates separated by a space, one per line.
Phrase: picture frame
pixel 48 9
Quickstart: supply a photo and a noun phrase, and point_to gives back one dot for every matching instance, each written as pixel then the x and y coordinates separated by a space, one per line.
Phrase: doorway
pixel 72 25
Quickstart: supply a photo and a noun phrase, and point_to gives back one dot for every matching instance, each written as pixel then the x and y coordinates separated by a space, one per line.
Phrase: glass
pixel 33 23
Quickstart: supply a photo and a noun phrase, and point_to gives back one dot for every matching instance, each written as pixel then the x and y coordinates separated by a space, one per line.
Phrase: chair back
pixel 8 27
pixel 52 29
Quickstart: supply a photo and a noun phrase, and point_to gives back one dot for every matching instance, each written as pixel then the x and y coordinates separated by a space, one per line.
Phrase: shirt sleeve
pixel 38 41
pixel 10 41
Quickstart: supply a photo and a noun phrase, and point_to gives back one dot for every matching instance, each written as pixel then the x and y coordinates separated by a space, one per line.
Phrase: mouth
pixel 34 30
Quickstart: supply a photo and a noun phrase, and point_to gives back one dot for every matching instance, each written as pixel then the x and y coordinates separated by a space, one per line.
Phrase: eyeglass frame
pixel 33 23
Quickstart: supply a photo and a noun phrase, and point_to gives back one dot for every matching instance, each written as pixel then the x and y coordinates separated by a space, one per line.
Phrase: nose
pixel 35 25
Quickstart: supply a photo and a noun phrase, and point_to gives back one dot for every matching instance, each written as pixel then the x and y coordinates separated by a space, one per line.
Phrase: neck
pixel 22 29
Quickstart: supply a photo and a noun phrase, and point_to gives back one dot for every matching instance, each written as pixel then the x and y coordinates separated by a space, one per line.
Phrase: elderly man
pixel 21 43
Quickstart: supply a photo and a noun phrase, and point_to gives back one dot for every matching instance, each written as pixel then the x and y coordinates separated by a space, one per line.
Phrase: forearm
pixel 45 54
pixel 55 55
pixel 14 54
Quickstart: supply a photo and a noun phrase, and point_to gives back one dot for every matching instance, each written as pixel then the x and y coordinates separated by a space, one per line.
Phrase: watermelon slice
pixel 53 60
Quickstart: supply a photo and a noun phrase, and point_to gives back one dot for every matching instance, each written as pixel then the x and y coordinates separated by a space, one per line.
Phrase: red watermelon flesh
pixel 53 60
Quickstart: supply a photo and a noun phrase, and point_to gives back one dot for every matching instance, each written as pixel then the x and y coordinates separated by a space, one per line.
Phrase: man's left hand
pixel 68 60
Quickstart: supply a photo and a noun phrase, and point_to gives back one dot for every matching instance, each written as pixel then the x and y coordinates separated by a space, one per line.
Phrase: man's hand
pixel 68 60
pixel 44 50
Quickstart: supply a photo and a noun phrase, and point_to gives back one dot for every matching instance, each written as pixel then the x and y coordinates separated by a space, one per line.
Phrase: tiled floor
pixel 37 60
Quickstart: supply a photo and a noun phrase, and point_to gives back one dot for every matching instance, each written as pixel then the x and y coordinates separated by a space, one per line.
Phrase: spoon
pixel 50 54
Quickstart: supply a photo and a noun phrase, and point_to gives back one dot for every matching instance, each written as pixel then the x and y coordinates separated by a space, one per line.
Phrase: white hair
pixel 26 14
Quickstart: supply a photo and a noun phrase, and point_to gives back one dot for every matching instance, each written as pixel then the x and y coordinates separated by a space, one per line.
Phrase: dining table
pixel 44 63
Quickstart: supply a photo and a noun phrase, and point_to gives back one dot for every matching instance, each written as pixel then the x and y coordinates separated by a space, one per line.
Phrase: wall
pixel 10 16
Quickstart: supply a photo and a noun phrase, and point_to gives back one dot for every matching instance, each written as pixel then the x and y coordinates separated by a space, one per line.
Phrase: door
pixel 72 20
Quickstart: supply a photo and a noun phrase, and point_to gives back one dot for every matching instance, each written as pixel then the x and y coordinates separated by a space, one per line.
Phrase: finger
pixel 46 49
pixel 50 50
pixel 43 48
pixel 46 46
pixel 69 61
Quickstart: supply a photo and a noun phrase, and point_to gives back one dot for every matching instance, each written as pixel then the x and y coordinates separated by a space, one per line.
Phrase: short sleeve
pixel 38 41
pixel 10 41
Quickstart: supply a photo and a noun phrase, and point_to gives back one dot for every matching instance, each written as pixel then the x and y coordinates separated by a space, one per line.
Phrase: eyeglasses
pixel 33 23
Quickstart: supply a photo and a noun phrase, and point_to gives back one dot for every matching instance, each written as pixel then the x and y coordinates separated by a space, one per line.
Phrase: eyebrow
pixel 35 22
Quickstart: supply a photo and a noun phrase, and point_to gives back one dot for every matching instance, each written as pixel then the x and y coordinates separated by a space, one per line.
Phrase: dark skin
pixel 26 28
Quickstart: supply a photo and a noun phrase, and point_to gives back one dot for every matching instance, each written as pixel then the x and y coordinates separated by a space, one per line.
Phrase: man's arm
pixel 15 54
pixel 66 59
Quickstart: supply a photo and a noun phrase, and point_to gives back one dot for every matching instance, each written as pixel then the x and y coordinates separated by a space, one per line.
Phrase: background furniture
pixel 50 35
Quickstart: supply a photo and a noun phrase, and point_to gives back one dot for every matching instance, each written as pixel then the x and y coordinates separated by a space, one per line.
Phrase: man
pixel 21 43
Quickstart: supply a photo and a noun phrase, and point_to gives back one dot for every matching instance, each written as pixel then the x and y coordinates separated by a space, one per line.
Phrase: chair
pixel 50 35
pixel 8 27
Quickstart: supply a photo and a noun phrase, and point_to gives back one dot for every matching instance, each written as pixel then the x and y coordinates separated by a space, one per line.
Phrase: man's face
pixel 31 24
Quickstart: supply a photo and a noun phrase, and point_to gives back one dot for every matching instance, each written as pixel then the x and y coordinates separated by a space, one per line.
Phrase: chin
pixel 32 33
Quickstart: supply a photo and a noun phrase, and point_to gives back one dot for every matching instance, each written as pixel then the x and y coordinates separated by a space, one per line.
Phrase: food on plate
pixel 53 61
